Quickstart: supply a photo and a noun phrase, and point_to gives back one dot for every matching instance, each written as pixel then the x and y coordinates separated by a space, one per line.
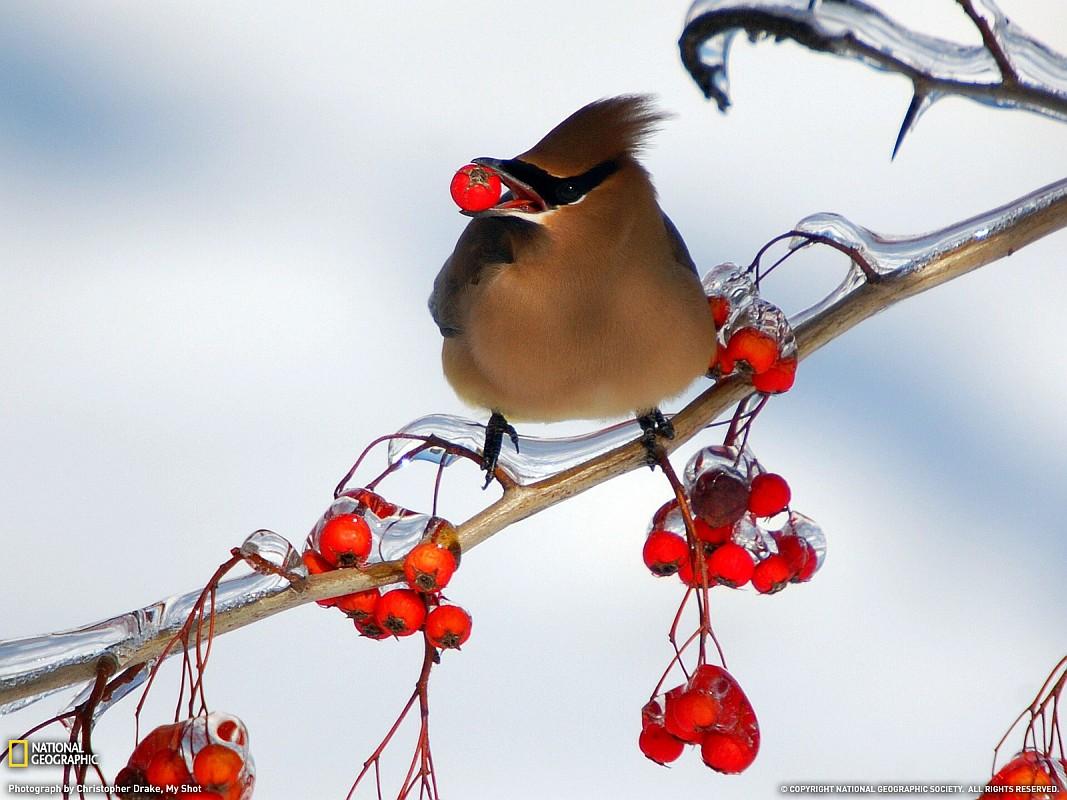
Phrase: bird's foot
pixel 653 425
pixel 494 440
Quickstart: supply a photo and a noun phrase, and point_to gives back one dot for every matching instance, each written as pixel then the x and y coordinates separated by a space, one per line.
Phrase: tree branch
pixel 906 267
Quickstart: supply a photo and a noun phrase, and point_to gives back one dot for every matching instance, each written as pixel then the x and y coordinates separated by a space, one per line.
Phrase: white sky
pixel 220 225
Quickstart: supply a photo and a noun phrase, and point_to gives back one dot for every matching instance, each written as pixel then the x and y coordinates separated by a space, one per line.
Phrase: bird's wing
pixel 678 248
pixel 486 243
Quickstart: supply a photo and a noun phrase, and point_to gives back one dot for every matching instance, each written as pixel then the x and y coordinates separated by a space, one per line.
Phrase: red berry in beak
pixel 475 188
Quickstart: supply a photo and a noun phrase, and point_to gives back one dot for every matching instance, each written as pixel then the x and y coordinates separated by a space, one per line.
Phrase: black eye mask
pixel 559 191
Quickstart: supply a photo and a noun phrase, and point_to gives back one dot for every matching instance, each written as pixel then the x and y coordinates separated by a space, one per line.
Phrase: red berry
pixel 800 556
pixel 690 713
pixel 720 309
pixel 231 731
pixel 679 728
pixel 757 348
pixel 771 574
pixel 688 574
pixel 719 497
pixel 475 188
pixel 664 552
pixel 131 782
pixel 726 752
pixel 658 745
pixel 401 612
pixel 779 378
pixel 731 564
pixel 448 626
pixel 429 568
pixel 1029 768
pixel 167 768
pixel 370 628
pixel 165 737
pixel 711 536
pixel 359 605
pixel 217 765
pixel 345 540
pixel 768 494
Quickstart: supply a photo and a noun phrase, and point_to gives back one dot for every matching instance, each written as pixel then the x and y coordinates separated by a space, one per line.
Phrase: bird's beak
pixel 520 197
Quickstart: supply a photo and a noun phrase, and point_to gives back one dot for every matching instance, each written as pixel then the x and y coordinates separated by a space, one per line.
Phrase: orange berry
pixel 771 574
pixel 429 568
pixel 167 768
pixel 359 605
pixel 768 494
pixel 217 765
pixel 401 612
pixel 370 628
pixel 345 540
pixel 448 626
pixel 658 745
pixel 231 731
pixel 758 349
pixel 731 564
pixel 664 552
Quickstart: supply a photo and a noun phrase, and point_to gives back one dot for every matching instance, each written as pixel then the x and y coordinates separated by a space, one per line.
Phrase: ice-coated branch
pixel 1010 69
pixel 893 268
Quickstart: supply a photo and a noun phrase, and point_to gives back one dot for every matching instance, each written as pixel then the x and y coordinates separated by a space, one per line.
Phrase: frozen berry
pixel 664 552
pixel 448 626
pixel 758 349
pixel 475 188
pixel 401 612
pixel 731 564
pixel 771 574
pixel 690 713
pixel 428 568
pixel 658 745
pixel 720 309
pixel 217 765
pixel 167 768
pixel 768 494
pixel 165 737
pixel 726 752
pixel 316 565
pixel 779 378
pixel 345 540
pixel 718 497
pixel 800 556
pixel 709 536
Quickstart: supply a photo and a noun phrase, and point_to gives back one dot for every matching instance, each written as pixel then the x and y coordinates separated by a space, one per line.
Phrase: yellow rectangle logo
pixel 12 747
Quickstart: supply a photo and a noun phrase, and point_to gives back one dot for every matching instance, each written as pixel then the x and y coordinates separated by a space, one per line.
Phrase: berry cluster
pixel 205 757
pixel 345 538
pixel 730 495
pixel 709 710
pixel 1045 775
pixel 752 333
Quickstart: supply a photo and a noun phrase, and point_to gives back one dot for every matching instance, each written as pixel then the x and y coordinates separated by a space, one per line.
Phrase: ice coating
pixel 767 318
pixel 394 530
pixel 275 550
pixel 537 458
pixel 806 528
pixel 901 255
pixel 857 31
pixel 717 456
pixel 25 660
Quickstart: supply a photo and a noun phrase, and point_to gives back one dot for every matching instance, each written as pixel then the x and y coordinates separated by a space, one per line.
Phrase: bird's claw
pixel 494 440
pixel 653 425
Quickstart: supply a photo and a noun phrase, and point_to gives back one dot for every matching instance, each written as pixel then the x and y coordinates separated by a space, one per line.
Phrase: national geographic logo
pixel 25 753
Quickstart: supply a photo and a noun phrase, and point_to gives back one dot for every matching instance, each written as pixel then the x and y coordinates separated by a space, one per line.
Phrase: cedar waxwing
pixel 574 297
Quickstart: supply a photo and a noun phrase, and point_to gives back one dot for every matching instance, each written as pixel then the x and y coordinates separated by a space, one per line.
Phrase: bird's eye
pixel 567 192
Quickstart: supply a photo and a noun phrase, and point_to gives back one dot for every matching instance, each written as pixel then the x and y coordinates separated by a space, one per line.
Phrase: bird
pixel 574 297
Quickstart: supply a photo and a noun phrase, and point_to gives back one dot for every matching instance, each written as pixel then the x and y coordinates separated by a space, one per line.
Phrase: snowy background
pixel 219 227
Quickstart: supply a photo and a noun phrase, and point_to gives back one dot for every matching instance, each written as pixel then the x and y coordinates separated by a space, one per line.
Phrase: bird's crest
pixel 604 129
